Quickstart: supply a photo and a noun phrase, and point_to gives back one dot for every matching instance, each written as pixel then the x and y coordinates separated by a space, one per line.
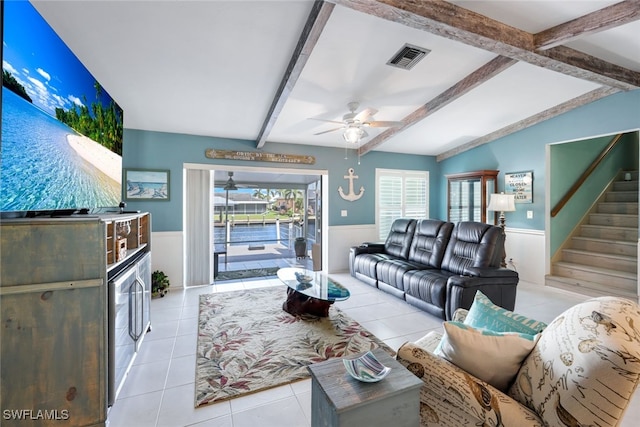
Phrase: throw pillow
pixel 486 315
pixel 494 357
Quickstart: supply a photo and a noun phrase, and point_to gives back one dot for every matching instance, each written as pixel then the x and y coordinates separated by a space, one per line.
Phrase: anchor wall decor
pixel 350 196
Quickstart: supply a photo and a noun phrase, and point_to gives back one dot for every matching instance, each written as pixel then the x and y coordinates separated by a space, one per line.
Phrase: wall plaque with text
pixel 259 156
pixel 520 184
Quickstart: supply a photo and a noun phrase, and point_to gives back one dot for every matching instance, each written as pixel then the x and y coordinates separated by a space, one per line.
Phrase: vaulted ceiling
pixel 277 71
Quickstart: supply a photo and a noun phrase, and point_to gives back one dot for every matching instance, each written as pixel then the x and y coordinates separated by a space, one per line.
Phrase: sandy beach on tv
pixel 100 157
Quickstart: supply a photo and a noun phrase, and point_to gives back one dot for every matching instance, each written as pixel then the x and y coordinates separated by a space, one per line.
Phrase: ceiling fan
pixel 353 123
pixel 231 185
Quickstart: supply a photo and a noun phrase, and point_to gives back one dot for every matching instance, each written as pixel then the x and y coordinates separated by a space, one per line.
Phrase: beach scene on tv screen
pixel 61 131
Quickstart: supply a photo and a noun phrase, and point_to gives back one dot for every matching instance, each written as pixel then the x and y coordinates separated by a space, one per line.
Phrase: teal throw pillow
pixel 484 314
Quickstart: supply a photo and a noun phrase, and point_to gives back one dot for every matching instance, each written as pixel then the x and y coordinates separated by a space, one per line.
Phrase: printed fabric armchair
pixel 581 370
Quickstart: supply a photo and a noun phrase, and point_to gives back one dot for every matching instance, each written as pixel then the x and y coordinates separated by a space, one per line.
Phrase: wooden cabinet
pixel 53 303
pixel 468 196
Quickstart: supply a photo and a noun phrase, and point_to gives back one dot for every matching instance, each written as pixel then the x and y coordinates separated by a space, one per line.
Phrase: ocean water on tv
pixel 40 170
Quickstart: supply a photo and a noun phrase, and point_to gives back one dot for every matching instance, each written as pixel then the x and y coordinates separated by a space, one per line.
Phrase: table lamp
pixel 500 202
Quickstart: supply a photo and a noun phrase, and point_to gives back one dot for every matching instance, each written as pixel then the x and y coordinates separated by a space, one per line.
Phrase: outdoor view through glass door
pixel 260 219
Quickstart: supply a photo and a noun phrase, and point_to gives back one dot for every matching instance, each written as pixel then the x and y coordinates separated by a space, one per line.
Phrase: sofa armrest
pixel 464 391
pixel 368 248
pixel 490 272
pixel 364 248
pixel 461 291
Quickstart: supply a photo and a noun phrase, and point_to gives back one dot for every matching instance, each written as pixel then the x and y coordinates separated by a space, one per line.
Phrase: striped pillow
pixel 484 314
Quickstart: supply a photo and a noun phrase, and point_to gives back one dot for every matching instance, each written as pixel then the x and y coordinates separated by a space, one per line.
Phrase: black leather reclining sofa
pixel 437 266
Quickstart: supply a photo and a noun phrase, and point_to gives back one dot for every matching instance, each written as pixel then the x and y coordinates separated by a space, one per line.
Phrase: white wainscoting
pixel 340 240
pixel 527 249
pixel 167 254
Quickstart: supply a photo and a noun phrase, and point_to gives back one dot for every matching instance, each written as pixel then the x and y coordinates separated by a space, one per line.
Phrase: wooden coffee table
pixel 313 297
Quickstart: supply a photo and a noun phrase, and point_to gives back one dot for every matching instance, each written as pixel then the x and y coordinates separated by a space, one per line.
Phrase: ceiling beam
pixel 476 78
pixel 600 20
pixel 581 100
pixel 589 67
pixel 456 23
pixel 316 21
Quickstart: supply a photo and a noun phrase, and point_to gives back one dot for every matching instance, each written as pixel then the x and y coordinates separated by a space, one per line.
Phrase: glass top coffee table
pixel 310 292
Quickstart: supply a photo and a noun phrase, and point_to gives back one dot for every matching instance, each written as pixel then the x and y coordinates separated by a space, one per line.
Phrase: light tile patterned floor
pixel 160 388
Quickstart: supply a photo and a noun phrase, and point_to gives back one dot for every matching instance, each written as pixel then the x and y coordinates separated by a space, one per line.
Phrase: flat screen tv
pixel 61 136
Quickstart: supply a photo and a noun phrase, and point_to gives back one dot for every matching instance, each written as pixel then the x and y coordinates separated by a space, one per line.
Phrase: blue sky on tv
pixel 39 60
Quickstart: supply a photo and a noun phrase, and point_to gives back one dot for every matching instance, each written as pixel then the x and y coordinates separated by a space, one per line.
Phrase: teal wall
pixel 525 150
pixel 568 161
pixel 159 150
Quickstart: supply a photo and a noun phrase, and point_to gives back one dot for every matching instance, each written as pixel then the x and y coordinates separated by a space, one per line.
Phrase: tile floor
pixel 159 390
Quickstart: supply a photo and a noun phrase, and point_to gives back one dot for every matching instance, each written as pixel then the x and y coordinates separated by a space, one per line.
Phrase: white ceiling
pixel 213 68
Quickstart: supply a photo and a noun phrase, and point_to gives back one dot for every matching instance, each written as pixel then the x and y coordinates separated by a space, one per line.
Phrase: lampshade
pixel 502 202
pixel 353 135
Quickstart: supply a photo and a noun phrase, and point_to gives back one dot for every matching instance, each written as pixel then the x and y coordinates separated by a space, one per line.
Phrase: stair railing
pixel 574 188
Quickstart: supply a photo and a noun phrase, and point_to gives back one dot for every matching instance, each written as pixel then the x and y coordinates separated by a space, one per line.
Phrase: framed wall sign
pixel 146 184
pixel 520 184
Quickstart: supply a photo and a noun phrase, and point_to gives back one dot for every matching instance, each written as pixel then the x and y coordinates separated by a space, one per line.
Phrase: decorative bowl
pixel 302 278
pixel 366 368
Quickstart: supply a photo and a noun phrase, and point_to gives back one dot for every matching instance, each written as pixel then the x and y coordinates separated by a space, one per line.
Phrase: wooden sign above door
pixel 259 156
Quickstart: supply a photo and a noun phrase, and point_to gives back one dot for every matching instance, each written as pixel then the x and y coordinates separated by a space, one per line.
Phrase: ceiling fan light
pixel 352 135
pixel 230 184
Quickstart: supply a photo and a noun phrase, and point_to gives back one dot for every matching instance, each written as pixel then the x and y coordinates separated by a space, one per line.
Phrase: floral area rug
pixel 247 343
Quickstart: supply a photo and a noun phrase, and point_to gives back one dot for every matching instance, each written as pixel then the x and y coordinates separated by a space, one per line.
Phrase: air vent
pixel 408 56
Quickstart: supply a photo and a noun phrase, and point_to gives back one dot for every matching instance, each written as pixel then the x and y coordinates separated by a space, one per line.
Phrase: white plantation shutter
pixel 415 199
pixel 400 194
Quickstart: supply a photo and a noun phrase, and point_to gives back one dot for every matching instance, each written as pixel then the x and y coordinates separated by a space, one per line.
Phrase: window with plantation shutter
pixel 400 194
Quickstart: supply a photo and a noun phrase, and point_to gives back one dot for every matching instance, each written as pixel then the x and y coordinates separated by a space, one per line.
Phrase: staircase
pixel 601 257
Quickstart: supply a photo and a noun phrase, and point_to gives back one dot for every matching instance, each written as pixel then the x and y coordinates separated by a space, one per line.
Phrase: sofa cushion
pixel 484 314
pixel 494 357
pixel 366 263
pixel 429 242
pixel 586 365
pixel 391 271
pixel 427 250
pixel 429 286
pixel 473 244
pixel 398 241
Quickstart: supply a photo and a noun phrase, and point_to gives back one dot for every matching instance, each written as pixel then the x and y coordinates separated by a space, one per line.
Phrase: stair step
pixel 614 279
pixel 586 287
pixel 625 186
pixel 603 255
pixel 621 196
pixel 607 246
pixel 629 234
pixel 621 220
pixel 618 208
pixel 599 259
